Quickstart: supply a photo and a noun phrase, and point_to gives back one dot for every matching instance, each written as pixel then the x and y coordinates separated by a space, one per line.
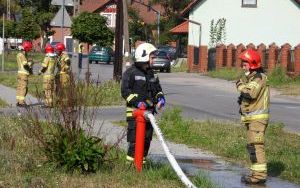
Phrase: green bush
pixel 278 77
pixel 66 133
pixel 75 152
pixel 226 73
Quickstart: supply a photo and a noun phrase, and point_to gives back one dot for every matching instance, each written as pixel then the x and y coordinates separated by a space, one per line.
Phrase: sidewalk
pixel 192 160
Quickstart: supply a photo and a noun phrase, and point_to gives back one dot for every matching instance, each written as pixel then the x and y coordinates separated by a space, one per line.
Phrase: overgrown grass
pixel 24 165
pixel 229 140
pixel 226 73
pixel 277 78
pixel 34 82
pixel 287 85
pixel 106 93
pixel 10 62
pixel 182 68
pixel 2 103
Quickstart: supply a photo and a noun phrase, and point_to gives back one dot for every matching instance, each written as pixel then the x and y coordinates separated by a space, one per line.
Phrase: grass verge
pixel 10 62
pixel 2 103
pixel 229 140
pixel 182 68
pixel 104 94
pixel 23 165
pixel 277 79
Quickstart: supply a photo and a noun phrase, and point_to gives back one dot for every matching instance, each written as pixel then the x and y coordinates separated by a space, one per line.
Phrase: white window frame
pixel 249 3
pixel 109 21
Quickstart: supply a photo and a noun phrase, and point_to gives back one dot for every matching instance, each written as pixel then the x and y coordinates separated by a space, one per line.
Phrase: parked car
pixel 161 61
pixel 54 43
pixel 101 54
pixel 171 51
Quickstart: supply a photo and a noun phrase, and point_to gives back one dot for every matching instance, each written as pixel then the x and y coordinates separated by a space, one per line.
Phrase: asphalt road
pixel 202 97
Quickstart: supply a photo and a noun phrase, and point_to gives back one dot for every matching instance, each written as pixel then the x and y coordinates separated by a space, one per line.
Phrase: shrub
pixel 65 134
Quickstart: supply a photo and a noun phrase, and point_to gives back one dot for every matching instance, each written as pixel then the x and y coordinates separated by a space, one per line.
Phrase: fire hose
pixel 141 115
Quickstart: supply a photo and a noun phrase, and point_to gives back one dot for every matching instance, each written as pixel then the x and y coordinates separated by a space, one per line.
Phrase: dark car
pixel 101 54
pixel 161 61
pixel 54 43
pixel 171 51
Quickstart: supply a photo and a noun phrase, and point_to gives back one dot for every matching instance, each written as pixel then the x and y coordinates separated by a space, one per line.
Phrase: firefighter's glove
pixel 238 83
pixel 240 99
pixel 161 103
pixel 28 68
pixel 142 105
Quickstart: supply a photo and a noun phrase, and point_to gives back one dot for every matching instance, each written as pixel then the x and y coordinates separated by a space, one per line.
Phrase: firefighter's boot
pixel 254 178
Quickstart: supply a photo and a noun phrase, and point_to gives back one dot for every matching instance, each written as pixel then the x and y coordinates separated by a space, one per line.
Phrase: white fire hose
pixel 171 158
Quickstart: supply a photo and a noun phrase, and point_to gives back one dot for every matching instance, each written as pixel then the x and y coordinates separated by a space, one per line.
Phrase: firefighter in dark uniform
pixel 140 86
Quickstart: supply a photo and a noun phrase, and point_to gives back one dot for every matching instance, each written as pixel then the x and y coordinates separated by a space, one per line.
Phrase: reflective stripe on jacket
pixel 140 86
pixel 49 64
pixel 63 63
pixel 255 96
pixel 22 61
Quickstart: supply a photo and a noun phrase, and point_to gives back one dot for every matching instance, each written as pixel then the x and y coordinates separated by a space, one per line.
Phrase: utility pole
pixel 8 10
pixel 126 32
pixel 2 67
pixel 118 42
pixel 63 21
pixel 125 26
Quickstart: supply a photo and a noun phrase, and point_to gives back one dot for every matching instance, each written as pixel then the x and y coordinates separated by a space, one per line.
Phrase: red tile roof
pixel 93 5
pixel 181 28
pixel 98 5
pixel 147 16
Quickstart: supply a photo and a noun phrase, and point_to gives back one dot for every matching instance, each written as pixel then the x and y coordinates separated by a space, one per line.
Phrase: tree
pixel 217 32
pixel 27 28
pixel 170 18
pixel 10 31
pixel 171 7
pixel 15 8
pixel 91 28
pixel 43 13
pixel 138 30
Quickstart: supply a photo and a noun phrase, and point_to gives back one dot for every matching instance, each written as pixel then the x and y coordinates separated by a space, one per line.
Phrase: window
pixel 249 3
pixel 109 19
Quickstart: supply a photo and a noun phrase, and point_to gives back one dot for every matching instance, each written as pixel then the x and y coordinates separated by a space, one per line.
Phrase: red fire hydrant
pixel 138 114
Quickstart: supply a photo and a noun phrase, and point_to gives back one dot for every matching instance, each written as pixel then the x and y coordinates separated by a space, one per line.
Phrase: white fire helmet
pixel 143 51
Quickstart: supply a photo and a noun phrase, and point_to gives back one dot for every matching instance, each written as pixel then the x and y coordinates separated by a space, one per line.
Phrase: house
pixel 247 21
pixel 105 8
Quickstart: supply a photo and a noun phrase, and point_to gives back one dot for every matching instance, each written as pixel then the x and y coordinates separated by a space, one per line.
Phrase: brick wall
pixel 200 66
pixel 228 56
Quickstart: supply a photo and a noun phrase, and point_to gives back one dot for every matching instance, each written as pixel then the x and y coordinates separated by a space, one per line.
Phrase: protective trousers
pixel 48 85
pixel 63 84
pixel 131 131
pixel 256 148
pixel 22 88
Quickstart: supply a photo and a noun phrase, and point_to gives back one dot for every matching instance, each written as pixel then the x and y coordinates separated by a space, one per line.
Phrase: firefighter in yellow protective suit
pixel 64 72
pixel 48 67
pixel 24 70
pixel 254 109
